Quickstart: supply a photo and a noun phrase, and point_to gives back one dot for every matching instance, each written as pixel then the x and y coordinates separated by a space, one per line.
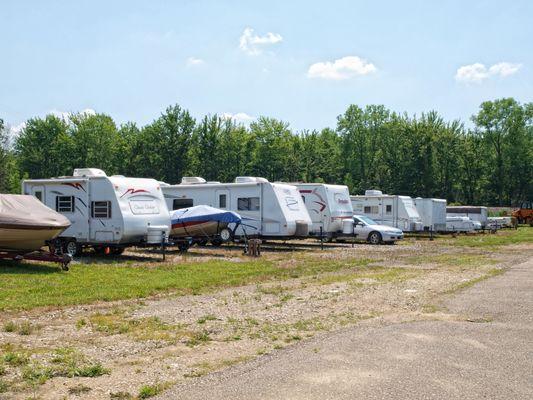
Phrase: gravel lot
pixel 171 339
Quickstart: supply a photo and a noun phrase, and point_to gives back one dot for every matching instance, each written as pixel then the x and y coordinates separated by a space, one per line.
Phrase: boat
pixel 204 222
pixel 26 224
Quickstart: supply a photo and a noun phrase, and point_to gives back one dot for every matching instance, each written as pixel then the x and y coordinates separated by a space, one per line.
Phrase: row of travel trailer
pixel 117 211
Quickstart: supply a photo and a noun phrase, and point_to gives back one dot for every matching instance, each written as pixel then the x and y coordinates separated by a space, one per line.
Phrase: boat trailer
pixel 53 255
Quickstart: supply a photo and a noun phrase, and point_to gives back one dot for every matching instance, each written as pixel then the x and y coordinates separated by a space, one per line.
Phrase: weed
pixel 205 318
pixel 81 323
pixel 10 326
pixel 120 396
pixel 25 328
pixel 3 386
pixel 198 338
pixel 79 389
pixel 152 390
pixel 15 359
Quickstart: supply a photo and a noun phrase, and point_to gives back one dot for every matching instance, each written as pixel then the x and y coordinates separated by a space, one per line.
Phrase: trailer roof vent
pixel 373 192
pixel 192 180
pixel 250 179
pixel 88 172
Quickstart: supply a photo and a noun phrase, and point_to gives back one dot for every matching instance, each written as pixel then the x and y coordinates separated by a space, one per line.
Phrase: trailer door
pixel 38 192
pixel 388 212
pixel 222 199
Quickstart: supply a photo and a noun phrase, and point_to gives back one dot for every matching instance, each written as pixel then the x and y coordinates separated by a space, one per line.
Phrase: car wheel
pixel 374 238
pixel 72 248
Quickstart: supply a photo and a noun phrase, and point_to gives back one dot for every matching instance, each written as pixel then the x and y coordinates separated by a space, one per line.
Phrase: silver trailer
pixel 432 212
pixel 392 210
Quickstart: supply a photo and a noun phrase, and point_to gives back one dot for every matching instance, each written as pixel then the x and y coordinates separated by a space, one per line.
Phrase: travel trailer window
pixel 388 209
pixel 178 204
pixel 222 200
pixel 248 204
pixel 39 195
pixel 65 204
pixel 101 209
pixel 371 210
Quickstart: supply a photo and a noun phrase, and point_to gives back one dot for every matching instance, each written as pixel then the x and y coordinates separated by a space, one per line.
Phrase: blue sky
pixel 300 61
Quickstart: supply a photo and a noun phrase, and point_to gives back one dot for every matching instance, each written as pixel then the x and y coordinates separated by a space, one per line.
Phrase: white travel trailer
pixel 433 213
pixel 105 211
pixel 475 213
pixel 460 224
pixel 392 210
pixel 269 210
pixel 329 207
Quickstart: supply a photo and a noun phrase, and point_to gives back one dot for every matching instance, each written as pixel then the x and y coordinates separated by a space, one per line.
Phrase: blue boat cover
pixel 203 214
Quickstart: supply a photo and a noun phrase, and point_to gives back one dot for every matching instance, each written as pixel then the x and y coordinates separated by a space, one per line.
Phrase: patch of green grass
pixel 23 328
pixel 15 359
pixel 4 387
pixel 205 318
pixel 26 286
pixel 451 260
pixel 151 328
pixel 148 391
pixel 501 238
pixel 10 326
pixel 374 274
pixel 198 338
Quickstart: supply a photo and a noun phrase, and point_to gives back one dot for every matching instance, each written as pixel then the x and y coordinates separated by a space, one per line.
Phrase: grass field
pixel 25 286
pixel 502 238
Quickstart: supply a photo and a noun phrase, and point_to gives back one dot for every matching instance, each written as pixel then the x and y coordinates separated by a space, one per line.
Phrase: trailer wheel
pixel 117 251
pixel 216 242
pixel 374 238
pixel 201 242
pixel 225 235
pixel 183 247
pixel 72 248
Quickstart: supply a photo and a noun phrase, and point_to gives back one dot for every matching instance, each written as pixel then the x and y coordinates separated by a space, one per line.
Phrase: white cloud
pixel 238 117
pixel 504 69
pixel 254 44
pixel 478 72
pixel 343 68
pixel 193 61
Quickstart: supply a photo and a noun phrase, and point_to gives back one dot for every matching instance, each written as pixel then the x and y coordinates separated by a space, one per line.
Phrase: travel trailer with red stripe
pixel 269 210
pixel 329 207
pixel 107 213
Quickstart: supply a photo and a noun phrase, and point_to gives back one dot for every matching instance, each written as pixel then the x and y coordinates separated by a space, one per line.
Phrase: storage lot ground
pixel 132 326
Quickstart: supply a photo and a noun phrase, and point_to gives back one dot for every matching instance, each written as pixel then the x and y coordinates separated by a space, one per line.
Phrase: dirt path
pixel 488 355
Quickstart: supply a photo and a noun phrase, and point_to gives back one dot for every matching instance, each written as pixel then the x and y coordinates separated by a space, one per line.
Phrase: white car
pixel 369 230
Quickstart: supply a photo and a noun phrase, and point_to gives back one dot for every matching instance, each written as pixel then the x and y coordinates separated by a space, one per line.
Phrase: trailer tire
pixel 374 237
pixel 117 251
pixel 216 242
pixel 201 242
pixel 183 247
pixel 72 248
pixel 225 235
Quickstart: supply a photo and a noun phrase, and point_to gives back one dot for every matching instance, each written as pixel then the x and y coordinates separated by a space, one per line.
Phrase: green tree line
pixel 489 163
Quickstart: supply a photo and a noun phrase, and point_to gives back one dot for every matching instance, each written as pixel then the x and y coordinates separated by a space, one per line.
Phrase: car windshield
pixel 366 220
